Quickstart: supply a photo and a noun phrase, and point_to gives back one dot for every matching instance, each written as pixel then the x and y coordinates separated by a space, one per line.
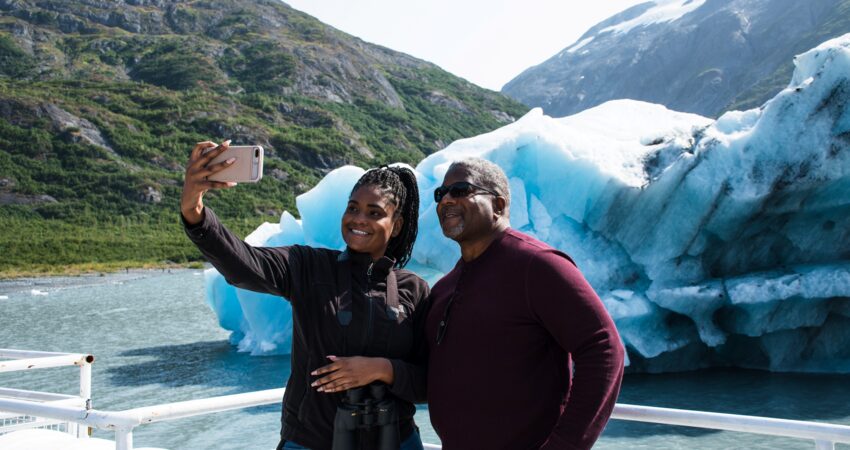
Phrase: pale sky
pixel 488 42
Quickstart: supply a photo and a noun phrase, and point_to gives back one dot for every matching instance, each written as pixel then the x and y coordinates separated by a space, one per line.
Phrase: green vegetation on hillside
pixel 99 113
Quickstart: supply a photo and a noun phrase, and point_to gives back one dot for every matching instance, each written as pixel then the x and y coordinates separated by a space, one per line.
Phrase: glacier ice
pixel 720 242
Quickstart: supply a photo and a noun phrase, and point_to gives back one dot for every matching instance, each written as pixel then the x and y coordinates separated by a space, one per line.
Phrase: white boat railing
pixel 20 360
pixel 824 435
pixel 124 422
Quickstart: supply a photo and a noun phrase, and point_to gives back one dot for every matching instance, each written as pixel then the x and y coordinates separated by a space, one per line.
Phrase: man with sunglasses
pixel 522 353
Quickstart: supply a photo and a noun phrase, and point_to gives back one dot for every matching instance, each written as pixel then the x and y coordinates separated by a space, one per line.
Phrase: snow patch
pixel 663 11
pixel 578 45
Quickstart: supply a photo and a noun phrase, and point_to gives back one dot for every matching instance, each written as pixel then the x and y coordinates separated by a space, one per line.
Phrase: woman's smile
pixel 369 221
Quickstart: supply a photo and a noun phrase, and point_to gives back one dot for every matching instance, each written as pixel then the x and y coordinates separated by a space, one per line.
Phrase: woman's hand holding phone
pixel 196 182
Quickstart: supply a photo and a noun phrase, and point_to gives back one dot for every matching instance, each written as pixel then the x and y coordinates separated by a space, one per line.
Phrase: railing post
pixel 124 439
pixel 85 394
pixel 824 445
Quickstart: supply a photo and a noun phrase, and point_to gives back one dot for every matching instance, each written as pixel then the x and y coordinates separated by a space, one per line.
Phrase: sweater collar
pixel 461 264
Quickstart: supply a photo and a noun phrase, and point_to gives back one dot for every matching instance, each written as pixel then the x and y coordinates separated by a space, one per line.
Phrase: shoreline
pixel 91 269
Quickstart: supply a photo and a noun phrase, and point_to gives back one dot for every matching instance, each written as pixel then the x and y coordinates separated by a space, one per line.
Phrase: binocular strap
pixel 392 292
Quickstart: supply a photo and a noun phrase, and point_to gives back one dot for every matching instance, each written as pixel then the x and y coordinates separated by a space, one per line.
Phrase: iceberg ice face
pixel 221 298
pixel 720 242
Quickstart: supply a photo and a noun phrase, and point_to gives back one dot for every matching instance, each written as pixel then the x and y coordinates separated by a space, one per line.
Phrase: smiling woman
pixel 384 202
pixel 369 222
pixel 358 317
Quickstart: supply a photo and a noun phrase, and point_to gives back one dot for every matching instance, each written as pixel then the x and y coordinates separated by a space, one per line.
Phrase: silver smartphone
pixel 248 167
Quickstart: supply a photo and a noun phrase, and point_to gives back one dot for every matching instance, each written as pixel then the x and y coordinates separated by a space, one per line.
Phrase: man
pixel 504 326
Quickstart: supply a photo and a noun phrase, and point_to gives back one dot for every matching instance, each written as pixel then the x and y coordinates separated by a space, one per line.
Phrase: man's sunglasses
pixel 460 189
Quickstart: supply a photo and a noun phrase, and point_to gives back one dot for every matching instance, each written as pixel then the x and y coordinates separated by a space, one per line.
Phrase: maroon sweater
pixel 500 377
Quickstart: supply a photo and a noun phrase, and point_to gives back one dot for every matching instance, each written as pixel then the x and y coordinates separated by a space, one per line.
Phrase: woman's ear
pixel 397 224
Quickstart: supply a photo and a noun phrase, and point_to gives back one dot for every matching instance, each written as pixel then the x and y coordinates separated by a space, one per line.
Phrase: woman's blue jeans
pixel 414 442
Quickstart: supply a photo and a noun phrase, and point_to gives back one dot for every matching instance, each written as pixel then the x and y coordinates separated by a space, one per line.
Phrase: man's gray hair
pixel 487 174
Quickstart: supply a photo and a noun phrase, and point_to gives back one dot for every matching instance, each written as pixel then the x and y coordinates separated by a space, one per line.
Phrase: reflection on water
pixel 156 342
pixel 823 398
pixel 208 363
pixel 213 364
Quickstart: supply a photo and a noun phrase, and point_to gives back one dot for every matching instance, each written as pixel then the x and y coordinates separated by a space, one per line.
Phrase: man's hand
pixel 348 373
pixel 195 184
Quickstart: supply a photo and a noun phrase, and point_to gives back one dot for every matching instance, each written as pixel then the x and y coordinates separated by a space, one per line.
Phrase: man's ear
pixel 397 224
pixel 499 206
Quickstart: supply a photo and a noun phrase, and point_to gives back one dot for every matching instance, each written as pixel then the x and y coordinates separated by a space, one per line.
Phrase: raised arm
pixel 569 309
pixel 254 268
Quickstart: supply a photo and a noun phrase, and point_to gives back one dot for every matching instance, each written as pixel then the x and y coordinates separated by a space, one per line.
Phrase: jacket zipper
pixel 369 296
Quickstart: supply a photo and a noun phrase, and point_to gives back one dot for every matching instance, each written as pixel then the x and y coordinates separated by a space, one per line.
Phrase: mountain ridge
pixel 101 101
pixel 724 55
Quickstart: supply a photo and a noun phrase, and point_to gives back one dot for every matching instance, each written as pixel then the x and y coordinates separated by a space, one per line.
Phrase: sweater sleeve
pixel 260 269
pixel 410 374
pixel 568 308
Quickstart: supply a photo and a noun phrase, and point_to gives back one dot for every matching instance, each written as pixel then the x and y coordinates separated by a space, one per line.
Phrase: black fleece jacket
pixel 314 281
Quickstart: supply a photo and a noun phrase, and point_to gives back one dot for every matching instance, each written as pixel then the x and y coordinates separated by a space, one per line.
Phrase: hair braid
pixel 399 183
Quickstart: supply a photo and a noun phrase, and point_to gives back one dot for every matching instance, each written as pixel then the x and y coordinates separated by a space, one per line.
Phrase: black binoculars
pixel 365 408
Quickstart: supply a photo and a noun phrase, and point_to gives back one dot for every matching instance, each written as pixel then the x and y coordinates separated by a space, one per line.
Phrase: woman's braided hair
pixel 399 184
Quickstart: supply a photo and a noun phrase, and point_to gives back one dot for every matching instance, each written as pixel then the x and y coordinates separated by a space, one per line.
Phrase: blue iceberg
pixel 711 242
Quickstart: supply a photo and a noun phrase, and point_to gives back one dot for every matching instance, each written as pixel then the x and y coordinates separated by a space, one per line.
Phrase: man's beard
pixel 455 231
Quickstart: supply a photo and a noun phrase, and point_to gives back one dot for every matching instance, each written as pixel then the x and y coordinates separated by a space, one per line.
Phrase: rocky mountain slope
pixel 700 56
pixel 100 102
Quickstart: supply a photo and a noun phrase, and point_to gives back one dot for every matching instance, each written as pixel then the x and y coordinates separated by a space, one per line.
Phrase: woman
pixel 357 316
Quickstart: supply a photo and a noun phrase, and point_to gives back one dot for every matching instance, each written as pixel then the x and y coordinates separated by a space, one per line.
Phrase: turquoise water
pixel 156 341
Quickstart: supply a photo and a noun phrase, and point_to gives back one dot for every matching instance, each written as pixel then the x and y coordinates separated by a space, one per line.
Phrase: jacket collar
pixel 380 268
